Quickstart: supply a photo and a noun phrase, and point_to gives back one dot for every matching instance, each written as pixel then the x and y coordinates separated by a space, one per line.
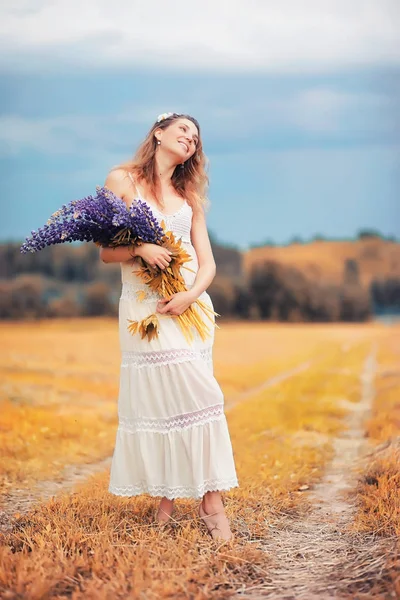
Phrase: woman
pixel 172 439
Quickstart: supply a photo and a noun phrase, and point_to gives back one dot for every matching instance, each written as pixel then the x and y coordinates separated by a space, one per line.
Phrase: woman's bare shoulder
pixel 117 176
pixel 118 181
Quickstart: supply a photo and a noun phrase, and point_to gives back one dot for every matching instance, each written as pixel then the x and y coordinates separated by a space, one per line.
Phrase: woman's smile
pixel 184 145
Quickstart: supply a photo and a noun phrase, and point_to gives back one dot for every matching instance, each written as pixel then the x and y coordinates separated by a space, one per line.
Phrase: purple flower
pixel 104 219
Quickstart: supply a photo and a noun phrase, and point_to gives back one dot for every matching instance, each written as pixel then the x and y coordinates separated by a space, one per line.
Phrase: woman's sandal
pixel 214 530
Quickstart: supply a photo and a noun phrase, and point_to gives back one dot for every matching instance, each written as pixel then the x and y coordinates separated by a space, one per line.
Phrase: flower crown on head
pixel 164 116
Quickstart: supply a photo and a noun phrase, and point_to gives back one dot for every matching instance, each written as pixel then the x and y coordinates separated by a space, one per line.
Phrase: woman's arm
pixel 205 274
pixel 201 242
pixel 116 181
pixel 118 254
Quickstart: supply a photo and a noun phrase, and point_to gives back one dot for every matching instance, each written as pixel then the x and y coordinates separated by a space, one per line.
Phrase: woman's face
pixel 180 139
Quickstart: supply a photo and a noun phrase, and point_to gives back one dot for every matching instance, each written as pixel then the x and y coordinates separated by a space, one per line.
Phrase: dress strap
pixel 134 185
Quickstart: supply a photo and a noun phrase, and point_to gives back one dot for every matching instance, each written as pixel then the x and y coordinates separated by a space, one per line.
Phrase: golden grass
pixel 60 384
pixel 58 397
pixel 37 443
pixel 90 544
pixel 246 354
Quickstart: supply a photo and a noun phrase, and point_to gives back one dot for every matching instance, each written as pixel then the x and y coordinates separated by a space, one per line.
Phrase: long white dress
pixel 172 438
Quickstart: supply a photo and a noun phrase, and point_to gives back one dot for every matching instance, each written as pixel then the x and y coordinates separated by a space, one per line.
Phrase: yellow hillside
pixel 324 260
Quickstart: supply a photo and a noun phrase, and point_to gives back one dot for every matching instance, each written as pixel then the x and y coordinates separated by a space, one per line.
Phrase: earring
pixel 158 142
pixel 182 165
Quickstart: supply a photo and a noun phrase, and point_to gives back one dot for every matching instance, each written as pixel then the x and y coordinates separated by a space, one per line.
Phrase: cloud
pixel 77 135
pixel 308 116
pixel 57 135
pixel 325 110
pixel 256 35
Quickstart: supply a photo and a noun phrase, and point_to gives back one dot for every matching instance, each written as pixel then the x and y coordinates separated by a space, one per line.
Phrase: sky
pixel 298 103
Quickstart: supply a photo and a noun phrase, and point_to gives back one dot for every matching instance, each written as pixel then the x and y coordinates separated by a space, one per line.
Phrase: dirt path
pixel 229 404
pixel 315 555
pixel 22 500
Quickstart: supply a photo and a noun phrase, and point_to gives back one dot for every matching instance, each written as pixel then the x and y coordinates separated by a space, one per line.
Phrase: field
pixel 314 418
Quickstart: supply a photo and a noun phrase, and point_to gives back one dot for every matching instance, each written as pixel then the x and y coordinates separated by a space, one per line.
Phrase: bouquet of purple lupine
pixel 106 220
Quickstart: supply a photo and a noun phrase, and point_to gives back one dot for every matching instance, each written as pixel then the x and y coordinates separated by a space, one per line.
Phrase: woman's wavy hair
pixel 189 180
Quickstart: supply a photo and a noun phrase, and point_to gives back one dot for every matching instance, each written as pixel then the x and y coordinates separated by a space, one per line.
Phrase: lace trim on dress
pixel 158 358
pixel 175 423
pixel 184 239
pixel 210 485
pixel 142 292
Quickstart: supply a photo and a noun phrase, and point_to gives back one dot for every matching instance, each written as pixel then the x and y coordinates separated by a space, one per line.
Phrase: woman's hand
pixel 154 255
pixel 176 304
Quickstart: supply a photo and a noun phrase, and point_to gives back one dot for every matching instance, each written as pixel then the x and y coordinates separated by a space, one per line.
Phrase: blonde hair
pixel 190 180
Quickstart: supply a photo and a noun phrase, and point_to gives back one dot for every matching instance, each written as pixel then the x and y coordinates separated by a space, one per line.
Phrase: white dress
pixel 172 438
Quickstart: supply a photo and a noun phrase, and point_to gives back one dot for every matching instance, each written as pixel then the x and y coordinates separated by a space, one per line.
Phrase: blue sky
pixel 298 104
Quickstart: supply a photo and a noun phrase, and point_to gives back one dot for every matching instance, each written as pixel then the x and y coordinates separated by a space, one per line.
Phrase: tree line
pixel 71 281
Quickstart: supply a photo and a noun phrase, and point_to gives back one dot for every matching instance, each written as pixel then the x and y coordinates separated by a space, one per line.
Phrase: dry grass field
pixel 314 417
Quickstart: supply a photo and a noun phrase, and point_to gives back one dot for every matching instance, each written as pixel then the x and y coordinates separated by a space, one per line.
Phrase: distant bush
pixel 283 293
pixel 96 301
pixel 351 273
pixel 355 300
pixel 266 243
pixel 66 306
pixel 242 303
pixel 385 294
pixel 222 293
pixel 22 298
pixel 368 233
pixel 296 239
pixel 355 304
